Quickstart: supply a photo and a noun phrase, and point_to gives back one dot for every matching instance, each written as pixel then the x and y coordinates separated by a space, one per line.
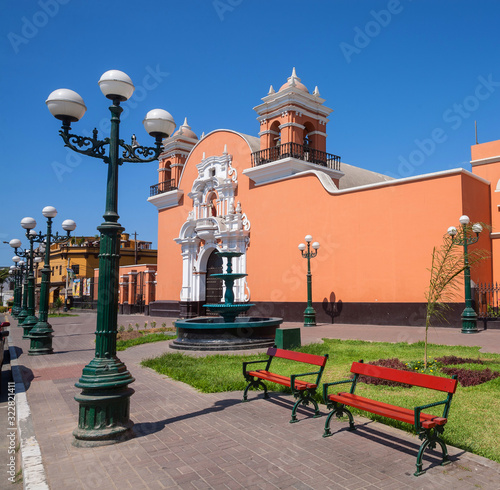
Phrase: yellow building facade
pixel 73 263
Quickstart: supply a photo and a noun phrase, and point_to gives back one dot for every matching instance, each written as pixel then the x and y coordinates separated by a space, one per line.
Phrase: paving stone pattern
pixel 186 439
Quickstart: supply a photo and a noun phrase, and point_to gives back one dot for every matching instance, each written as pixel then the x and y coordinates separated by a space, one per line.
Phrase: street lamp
pixel 23 278
pixel 469 316
pixel 104 403
pixel 41 334
pixel 309 313
pixel 13 271
pixel 16 307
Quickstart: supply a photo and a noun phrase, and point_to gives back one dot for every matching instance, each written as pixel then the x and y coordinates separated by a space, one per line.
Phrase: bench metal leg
pixel 304 398
pixel 338 410
pixel 255 383
pixel 431 438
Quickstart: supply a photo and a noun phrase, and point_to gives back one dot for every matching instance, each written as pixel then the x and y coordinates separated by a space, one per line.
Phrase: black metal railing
pixel 487 300
pixel 295 150
pixel 168 185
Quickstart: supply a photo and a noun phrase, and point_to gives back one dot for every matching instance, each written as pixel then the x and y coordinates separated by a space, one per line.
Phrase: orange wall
pixel 376 244
pixel 491 172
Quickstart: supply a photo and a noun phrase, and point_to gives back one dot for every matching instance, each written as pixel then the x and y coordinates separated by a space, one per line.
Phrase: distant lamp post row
pixel 31 320
pixel 309 313
pixel 26 313
pixel 469 316
pixel 26 317
pixel 104 402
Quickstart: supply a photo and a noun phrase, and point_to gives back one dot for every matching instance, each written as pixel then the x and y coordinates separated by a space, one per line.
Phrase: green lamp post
pixel 41 334
pixel 30 320
pixel 13 280
pixel 469 316
pixel 15 243
pixel 309 313
pixel 104 403
pixel 23 280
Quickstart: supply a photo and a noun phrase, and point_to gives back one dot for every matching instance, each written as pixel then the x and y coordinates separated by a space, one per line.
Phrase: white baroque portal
pixel 214 223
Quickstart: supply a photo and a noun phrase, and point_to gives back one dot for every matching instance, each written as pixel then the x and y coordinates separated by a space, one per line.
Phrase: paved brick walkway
pixel 185 439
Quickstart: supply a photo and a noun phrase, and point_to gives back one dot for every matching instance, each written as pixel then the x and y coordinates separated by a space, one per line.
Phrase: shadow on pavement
pixel 394 442
pixel 142 429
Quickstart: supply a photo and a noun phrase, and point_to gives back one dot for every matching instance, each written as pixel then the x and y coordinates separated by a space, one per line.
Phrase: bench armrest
pixel 293 376
pixel 246 363
pixel 326 385
pixel 423 407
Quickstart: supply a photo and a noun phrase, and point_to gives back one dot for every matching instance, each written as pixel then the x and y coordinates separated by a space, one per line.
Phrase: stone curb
pixel 34 477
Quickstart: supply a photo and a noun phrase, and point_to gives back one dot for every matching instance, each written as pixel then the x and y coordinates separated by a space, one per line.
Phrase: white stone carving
pixel 212 224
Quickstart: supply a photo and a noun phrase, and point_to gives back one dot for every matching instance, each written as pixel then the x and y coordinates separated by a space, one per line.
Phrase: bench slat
pixel 282 380
pixel 416 379
pixel 297 356
pixel 386 410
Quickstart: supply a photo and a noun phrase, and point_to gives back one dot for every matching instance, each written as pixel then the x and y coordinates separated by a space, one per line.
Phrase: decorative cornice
pixel 484 161
pixel 320 133
pixel 331 188
pixel 182 152
pixel 295 125
pixel 291 98
pixel 269 131
pixel 273 114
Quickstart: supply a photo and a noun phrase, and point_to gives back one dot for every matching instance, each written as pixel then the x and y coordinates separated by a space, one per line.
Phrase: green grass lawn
pixel 473 422
pixel 145 339
pixel 56 315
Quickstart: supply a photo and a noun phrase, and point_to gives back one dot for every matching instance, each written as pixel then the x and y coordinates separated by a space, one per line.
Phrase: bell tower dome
pixel 293 115
pixel 174 155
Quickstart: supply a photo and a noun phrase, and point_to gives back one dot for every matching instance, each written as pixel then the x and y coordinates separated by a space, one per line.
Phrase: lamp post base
pixel 41 339
pixel 104 436
pixel 309 317
pixel 469 321
pixel 21 316
pixel 28 325
pixel 104 404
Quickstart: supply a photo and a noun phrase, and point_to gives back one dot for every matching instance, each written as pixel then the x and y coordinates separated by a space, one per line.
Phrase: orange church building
pixel 261 195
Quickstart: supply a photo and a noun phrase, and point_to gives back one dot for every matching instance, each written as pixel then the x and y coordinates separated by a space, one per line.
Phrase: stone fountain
pixel 227 331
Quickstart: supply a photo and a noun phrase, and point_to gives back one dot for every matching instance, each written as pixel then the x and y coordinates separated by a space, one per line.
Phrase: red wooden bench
pixel 301 389
pixel 428 427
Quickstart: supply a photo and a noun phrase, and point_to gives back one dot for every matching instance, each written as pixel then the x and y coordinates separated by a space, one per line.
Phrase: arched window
pixel 308 142
pixel 308 137
pixel 275 140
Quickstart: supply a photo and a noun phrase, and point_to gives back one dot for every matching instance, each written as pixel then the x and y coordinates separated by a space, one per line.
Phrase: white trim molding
pixel 285 168
pixel 166 200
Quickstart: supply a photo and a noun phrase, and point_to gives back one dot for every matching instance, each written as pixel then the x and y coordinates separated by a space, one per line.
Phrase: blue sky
pixel 406 79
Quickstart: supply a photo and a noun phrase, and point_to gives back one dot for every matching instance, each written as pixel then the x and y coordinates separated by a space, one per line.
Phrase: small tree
pixel 448 263
pixel 58 302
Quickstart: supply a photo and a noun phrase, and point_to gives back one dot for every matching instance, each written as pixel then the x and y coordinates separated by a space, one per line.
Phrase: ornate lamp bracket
pixel 91 147
pixel 140 154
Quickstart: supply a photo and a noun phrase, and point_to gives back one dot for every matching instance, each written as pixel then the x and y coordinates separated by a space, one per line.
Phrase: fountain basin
pixel 213 333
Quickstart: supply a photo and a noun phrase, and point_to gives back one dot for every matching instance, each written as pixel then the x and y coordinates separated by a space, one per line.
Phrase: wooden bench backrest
pixel 298 356
pixel 416 379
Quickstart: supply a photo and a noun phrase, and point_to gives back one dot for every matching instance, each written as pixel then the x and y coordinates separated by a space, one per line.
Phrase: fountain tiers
pixel 228 331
